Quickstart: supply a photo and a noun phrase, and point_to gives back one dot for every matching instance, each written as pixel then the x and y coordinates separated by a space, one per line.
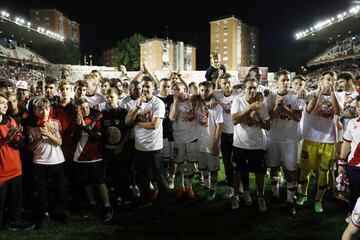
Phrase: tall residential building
pixel 55 21
pixel 161 54
pixel 236 42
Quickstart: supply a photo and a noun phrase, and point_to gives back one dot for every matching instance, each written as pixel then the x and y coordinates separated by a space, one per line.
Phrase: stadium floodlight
pixel 5 14
pixel 320 25
pixel 29 24
pixel 22 21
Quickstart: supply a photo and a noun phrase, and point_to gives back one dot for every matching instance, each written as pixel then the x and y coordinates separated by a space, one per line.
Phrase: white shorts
pixel 355 215
pixel 284 154
pixel 168 150
pixel 209 162
pixel 185 152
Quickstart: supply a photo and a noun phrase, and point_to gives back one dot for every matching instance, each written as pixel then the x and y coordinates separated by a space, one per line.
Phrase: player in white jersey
pixel 250 117
pixel 282 146
pixel 318 149
pixel 209 128
pixel 350 163
pixel 147 117
pixel 182 114
pixel 345 87
pixel 298 85
pixel 225 97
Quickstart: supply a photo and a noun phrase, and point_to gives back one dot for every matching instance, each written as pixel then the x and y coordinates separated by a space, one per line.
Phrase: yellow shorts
pixel 315 155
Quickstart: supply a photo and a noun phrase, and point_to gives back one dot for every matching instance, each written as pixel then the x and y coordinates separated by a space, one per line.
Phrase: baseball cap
pixel 22 85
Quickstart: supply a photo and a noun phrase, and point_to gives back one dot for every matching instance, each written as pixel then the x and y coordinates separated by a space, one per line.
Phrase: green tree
pixel 127 52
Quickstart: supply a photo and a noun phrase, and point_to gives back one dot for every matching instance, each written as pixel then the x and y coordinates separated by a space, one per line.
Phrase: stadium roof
pixel 23 34
pixel 338 27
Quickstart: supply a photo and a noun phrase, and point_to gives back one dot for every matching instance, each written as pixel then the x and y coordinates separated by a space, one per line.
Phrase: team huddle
pixel 70 142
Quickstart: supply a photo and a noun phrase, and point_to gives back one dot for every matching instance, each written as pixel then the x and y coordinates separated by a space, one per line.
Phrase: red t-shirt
pixel 10 164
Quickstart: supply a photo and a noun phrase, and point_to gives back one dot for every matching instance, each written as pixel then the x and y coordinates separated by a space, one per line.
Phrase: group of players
pixel 135 137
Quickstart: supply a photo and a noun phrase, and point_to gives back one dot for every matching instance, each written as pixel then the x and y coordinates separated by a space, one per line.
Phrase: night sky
pixel 103 24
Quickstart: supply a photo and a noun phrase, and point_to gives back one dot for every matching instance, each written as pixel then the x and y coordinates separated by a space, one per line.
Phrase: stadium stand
pixel 347 48
pixel 20 53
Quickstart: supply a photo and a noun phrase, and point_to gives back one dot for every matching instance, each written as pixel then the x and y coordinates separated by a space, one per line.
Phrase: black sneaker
pixel 21 225
pixel 89 211
pixel 275 200
pixel 42 223
pixel 108 214
pixel 63 218
pixel 290 208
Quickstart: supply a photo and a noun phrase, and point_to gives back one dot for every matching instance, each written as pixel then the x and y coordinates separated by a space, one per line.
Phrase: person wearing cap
pixel 22 92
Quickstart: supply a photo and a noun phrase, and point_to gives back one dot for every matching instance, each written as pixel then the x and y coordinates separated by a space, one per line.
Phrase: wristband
pixel 342 162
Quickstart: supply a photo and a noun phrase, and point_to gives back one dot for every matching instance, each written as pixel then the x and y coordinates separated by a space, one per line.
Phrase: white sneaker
pixel 235 202
pixel 241 188
pixel 262 204
pixel 135 191
pixel 246 198
pixel 229 193
pixel 171 184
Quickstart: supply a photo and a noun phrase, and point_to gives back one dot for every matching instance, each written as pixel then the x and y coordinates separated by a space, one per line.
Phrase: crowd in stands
pixel 21 72
pixel 342 49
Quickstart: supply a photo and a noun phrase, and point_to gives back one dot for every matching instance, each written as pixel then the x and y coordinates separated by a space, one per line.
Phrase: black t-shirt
pixel 113 126
pixel 213 73
pixel 167 128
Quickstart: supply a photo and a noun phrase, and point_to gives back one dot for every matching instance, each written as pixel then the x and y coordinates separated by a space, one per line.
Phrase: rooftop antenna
pixel 167 32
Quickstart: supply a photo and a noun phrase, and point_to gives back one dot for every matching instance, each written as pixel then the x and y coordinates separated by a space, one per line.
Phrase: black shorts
pixel 249 160
pixel 91 173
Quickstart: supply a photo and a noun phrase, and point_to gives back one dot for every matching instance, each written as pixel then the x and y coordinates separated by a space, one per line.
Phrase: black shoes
pixel 290 208
pixel 108 214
